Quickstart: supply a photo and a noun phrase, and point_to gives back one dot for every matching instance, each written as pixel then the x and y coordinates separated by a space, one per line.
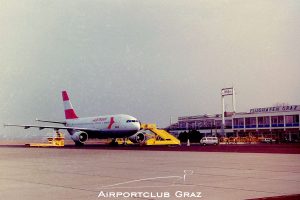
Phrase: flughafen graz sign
pixel 276 109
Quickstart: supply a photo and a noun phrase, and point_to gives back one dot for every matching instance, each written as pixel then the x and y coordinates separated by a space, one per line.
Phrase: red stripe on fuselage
pixel 65 96
pixel 111 123
pixel 70 114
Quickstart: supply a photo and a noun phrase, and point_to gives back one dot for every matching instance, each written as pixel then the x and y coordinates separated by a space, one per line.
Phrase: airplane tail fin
pixel 69 110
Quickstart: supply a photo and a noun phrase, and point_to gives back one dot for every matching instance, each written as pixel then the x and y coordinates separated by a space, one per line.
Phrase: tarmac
pixel 91 173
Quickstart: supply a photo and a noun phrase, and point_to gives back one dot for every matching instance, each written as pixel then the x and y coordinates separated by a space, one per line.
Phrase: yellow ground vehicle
pixel 58 140
pixel 154 136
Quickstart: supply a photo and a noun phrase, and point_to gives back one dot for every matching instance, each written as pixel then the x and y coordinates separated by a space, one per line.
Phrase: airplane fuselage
pixel 112 126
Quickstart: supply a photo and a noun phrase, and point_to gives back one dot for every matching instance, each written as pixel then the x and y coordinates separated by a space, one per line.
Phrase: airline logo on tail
pixel 69 110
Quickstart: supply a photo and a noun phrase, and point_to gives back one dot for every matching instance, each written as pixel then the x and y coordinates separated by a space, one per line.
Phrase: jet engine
pixel 79 137
pixel 139 137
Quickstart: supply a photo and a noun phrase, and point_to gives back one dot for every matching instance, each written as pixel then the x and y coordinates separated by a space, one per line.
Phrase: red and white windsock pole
pixel 69 110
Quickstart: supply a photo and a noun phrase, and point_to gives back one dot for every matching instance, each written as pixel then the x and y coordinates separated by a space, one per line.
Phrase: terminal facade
pixel 278 122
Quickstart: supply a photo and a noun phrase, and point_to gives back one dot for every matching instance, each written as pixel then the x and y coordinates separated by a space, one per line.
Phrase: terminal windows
pixel 253 121
pixel 289 120
pixel 267 121
pixel 198 124
pixel 264 121
pixel 296 119
pixel 218 123
pixel 228 123
pixel 292 120
pixel 191 125
pixel 277 121
pixel 280 121
pixel 260 121
pixel 247 121
pixel 241 122
pixel 238 123
pixel 209 123
pixel 182 125
pixel 274 121
pixel 235 123
pixel 250 122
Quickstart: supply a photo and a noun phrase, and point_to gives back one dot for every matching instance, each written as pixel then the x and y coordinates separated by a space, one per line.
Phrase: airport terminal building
pixel 279 122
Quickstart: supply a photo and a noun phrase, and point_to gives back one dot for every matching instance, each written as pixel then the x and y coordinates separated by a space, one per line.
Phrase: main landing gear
pixel 79 144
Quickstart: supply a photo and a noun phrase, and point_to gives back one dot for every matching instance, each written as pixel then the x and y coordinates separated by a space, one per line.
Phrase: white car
pixel 267 140
pixel 209 141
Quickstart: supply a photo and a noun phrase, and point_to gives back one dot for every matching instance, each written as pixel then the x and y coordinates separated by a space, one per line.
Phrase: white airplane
pixel 100 127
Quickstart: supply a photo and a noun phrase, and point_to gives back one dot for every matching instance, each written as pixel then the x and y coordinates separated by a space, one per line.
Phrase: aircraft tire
pixel 79 144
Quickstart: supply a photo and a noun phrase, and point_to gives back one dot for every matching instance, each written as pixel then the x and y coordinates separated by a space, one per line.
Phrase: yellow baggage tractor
pixel 58 140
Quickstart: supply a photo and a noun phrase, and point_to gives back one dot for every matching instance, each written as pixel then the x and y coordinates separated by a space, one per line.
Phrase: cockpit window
pixel 132 120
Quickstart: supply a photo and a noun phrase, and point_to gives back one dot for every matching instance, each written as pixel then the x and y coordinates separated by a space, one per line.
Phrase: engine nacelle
pixel 80 137
pixel 139 137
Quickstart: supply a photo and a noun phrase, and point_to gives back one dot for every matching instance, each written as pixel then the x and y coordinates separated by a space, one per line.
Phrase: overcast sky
pixel 150 59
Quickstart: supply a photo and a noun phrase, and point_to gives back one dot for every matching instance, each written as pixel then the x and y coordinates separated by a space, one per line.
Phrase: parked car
pixel 209 141
pixel 268 140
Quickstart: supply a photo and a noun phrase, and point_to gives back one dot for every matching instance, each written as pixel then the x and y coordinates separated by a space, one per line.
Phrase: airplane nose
pixel 138 126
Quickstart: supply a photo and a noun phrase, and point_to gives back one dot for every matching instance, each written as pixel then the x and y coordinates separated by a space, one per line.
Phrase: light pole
pixel 226 92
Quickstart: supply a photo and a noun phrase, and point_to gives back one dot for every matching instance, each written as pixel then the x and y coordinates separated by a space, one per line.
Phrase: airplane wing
pixel 52 127
pixel 48 121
